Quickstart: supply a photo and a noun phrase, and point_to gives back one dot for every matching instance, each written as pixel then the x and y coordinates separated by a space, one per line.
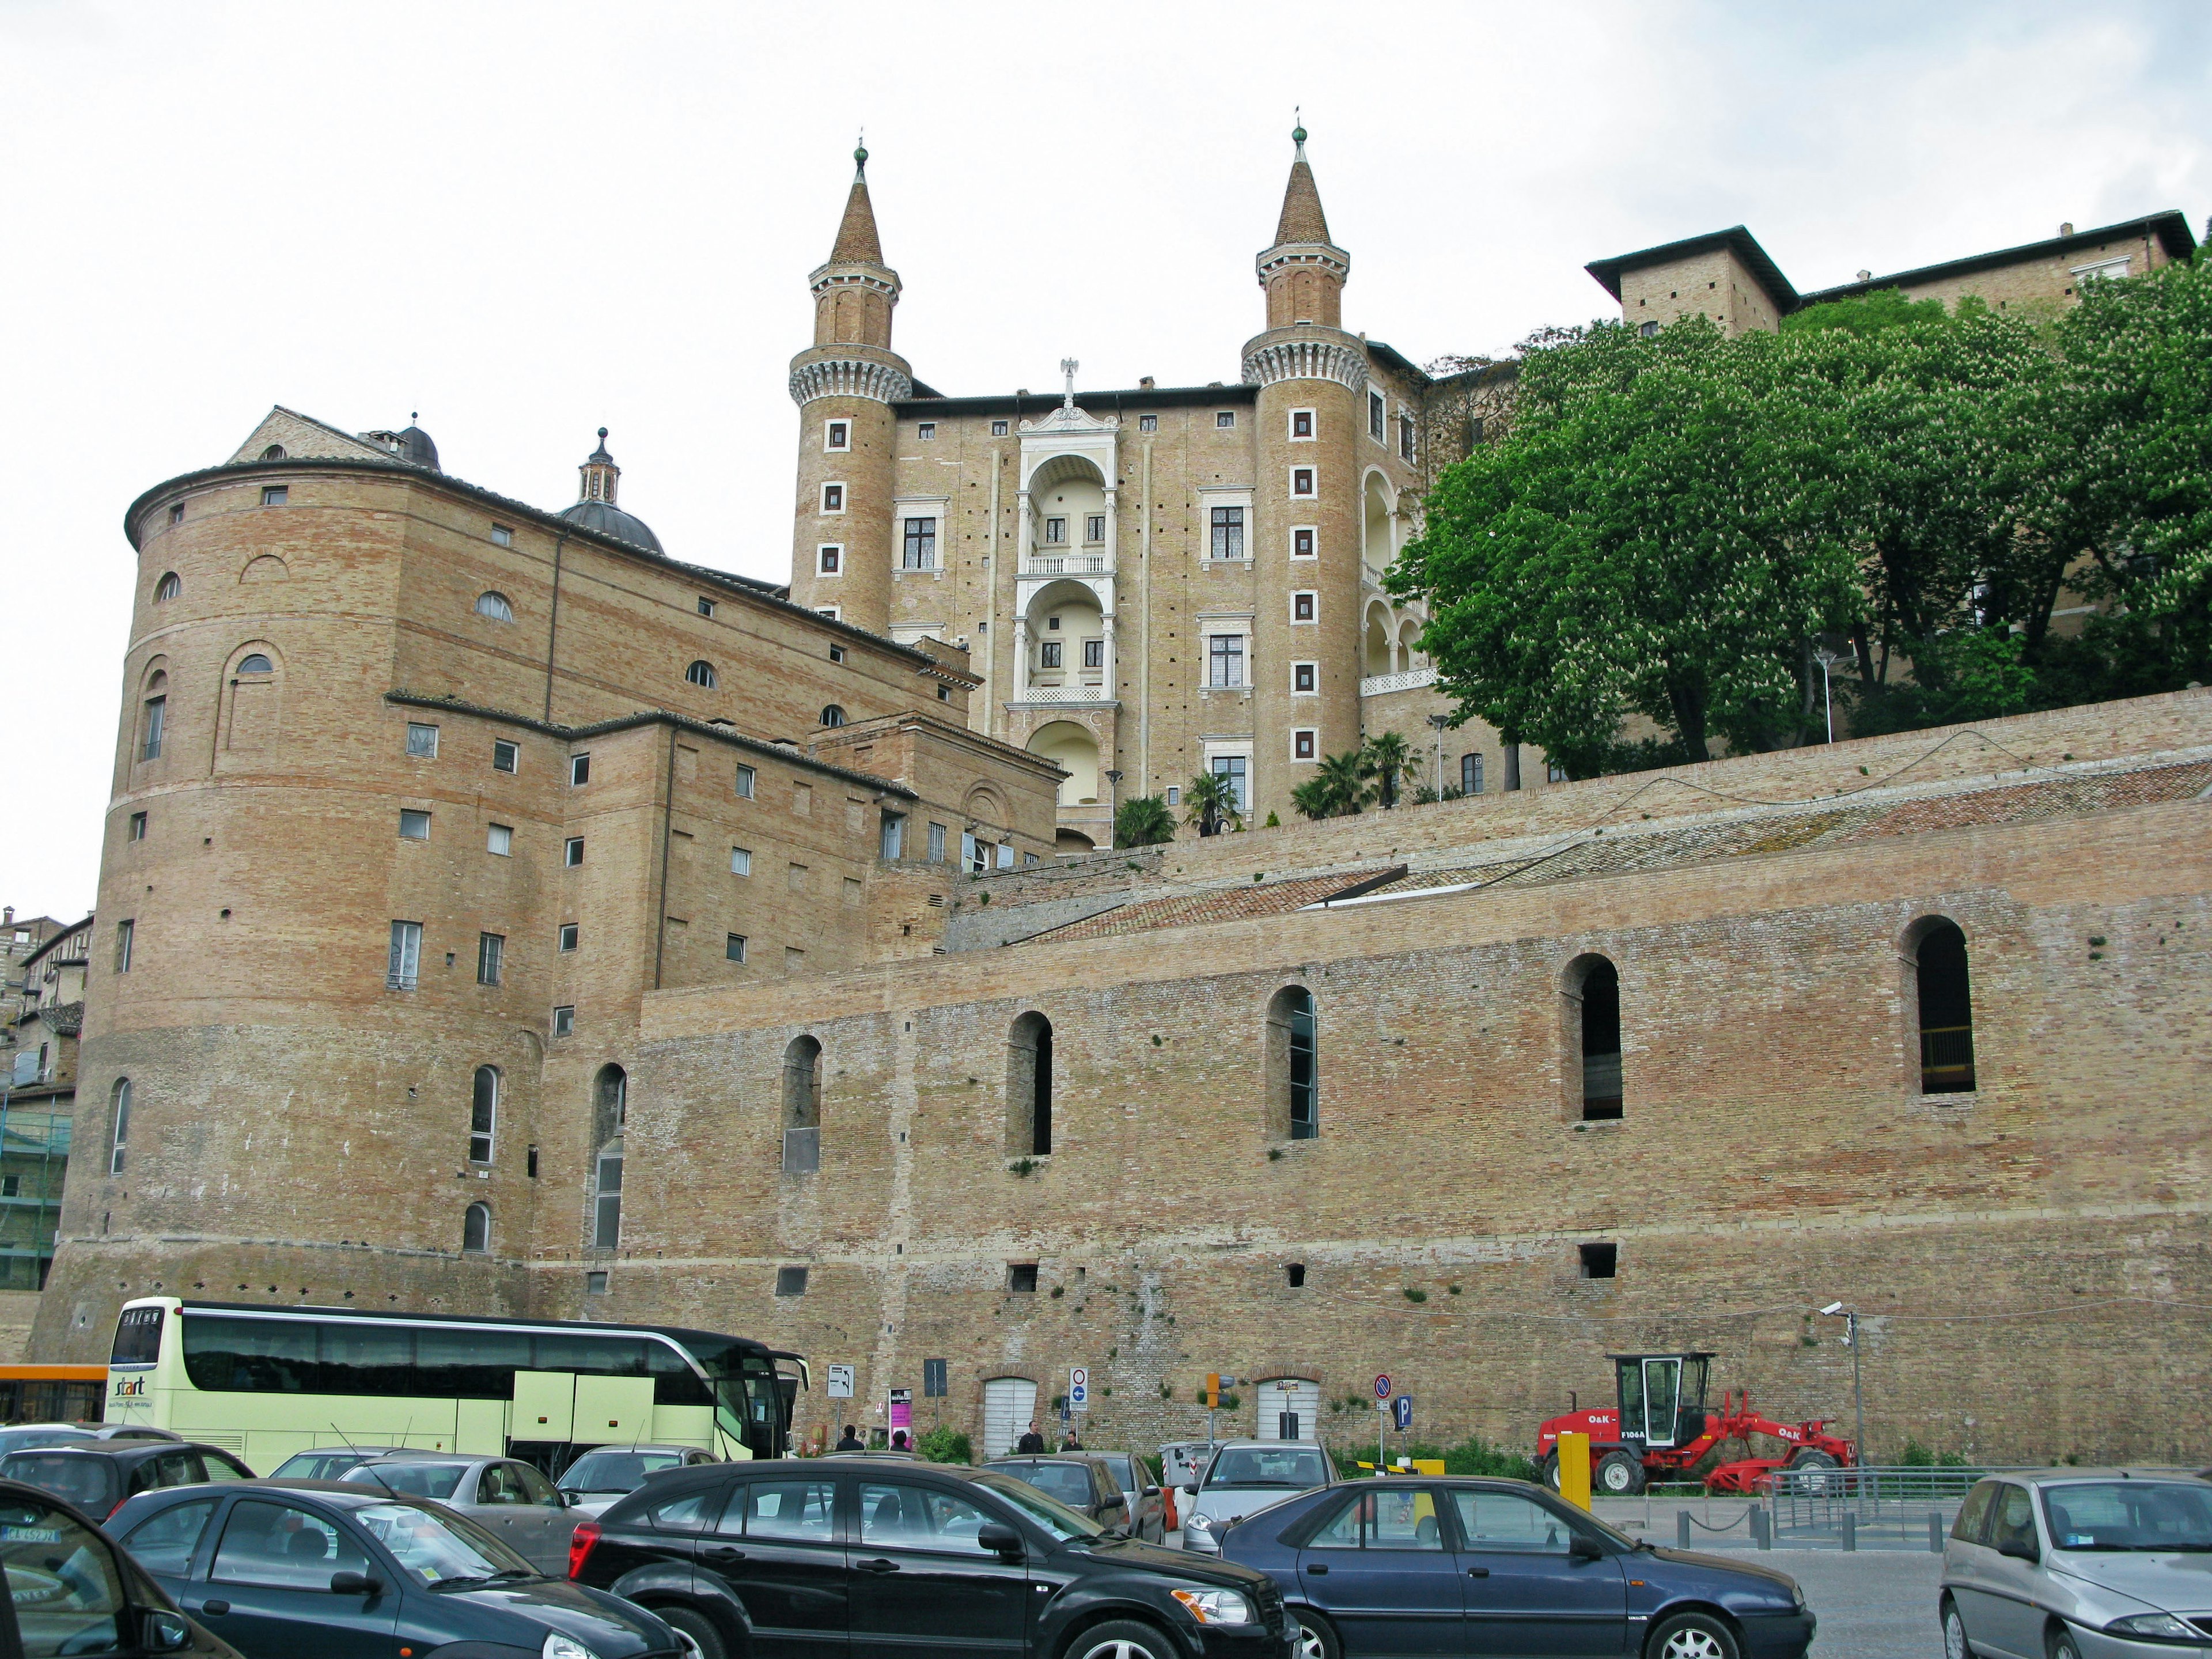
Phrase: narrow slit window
pixel 1945 1009
pixel 483 1114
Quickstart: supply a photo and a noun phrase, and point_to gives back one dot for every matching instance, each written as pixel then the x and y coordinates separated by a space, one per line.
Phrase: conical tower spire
pixel 857 243
pixel 1304 272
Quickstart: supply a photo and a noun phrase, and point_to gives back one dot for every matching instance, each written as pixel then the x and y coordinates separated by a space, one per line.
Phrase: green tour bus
pixel 267 1382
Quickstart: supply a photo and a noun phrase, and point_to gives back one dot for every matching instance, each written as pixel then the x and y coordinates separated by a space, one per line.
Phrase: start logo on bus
pixel 129 1387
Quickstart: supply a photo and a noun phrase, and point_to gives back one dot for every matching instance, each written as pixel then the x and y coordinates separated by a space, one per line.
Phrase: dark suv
pixel 99 1475
pixel 803 1557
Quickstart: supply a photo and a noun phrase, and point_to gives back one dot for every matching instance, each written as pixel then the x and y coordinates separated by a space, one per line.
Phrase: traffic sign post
pixel 1405 1407
pixel 1382 1421
pixel 841 1383
pixel 1079 1388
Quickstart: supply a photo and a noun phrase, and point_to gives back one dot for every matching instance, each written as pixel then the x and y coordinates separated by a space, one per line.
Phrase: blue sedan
pixel 1504 1570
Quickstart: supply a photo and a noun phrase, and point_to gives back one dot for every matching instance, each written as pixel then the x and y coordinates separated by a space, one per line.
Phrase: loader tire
pixel 1552 1470
pixel 1618 1474
pixel 1814 1464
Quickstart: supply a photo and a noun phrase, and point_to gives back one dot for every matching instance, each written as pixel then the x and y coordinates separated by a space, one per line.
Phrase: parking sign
pixel 1405 1405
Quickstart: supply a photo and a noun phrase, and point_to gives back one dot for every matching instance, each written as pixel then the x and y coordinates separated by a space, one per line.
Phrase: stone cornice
pixel 849 376
pixel 1305 357
pixel 882 278
pixel 1327 255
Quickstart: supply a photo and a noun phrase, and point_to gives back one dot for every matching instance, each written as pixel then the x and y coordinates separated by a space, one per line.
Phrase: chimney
pixel 2066 229
pixel 1146 384
pixel 9 917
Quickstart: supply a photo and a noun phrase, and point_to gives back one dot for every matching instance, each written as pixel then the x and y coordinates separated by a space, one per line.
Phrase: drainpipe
pixel 667 816
pixel 553 625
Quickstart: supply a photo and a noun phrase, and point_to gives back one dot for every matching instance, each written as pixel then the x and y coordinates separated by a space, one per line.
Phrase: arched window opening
pixel 495 606
pixel 256 662
pixel 483 1114
pixel 1593 1026
pixel 119 1107
pixel 168 587
pixel 1291 1071
pixel 833 715
pixel 1946 1009
pixel 609 1103
pixel 700 673
pixel 274 453
pixel 802 1107
pixel 476 1230
pixel 1028 1087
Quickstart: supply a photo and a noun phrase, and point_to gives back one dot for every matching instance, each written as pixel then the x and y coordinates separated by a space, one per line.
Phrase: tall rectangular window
pixel 969 860
pixel 579 770
pixel 124 931
pixel 414 826
pixel 499 839
pixel 1094 653
pixel 741 861
pixel 138 826
pixel 1303 676
pixel 572 852
pixel 1303 743
pixel 745 782
pixel 1055 530
pixel 1238 769
pixel 406 961
pixel 1302 542
pixel 1301 424
pixel 1228 532
pixel 564 1021
pixel 920 552
pixel 832 558
pixel 421 741
pixel 1224 660
pixel 491 956
pixel 606 1221
pixel 483 1114
pixel 118 1149
pixel 891 841
pixel 1374 416
pixel 839 436
pixel 505 757
pixel 1302 607
pixel 1302 481
pixel 1094 527
pixel 157 713
pixel 1470 774
pixel 833 498
pixel 1406 436
pixel 569 932
pixel 936 843
pixel 1049 655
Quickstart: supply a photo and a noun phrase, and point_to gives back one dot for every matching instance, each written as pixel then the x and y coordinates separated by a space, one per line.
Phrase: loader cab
pixel 1662 1398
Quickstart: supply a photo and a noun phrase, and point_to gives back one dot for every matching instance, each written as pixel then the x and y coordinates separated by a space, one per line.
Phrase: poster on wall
pixel 901 1409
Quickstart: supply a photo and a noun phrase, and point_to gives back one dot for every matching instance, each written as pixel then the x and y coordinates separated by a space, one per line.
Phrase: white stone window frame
pixel 1313 734
pixel 1225 419
pixel 821 568
pixel 1312 533
pixel 1313 426
pixel 938 507
pixel 829 430
pixel 1212 749
pixel 2111 269
pixel 1291 483
pixel 844 497
pixel 925 431
pixel 834 612
pixel 1312 691
pixel 1212 495
pixel 1314 621
pixel 1210 623
pixel 1378 415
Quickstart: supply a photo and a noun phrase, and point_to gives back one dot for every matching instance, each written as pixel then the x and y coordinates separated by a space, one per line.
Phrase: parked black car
pixel 285 1569
pixel 804 1558
pixel 1419 1565
pixel 71 1590
pixel 97 1475
pixel 1082 1482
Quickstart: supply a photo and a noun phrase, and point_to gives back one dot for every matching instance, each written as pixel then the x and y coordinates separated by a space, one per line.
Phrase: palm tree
pixel 1387 760
pixel 1212 802
pixel 1338 789
pixel 1143 821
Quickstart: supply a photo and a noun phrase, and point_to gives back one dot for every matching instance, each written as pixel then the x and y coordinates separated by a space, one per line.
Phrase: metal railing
pixel 1913 1505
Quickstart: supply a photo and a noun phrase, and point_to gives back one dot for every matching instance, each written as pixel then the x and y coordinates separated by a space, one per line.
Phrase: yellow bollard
pixel 1575 1469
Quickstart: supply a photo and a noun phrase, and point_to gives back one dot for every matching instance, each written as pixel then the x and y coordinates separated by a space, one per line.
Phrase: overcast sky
pixel 530 221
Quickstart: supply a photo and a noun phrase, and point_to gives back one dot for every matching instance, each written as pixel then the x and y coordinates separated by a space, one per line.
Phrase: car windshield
pixel 415 1480
pixel 319 1466
pixel 1068 1482
pixel 1121 1467
pixel 439 1549
pixel 73 1477
pixel 2150 1516
pixel 1295 1467
pixel 616 1471
pixel 1055 1517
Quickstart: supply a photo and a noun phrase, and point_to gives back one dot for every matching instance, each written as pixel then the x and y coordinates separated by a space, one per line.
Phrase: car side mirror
pixel 353 1584
pixel 166 1631
pixel 2020 1549
pixel 1190 1491
pixel 999 1538
pixel 1151 1491
pixel 1580 1547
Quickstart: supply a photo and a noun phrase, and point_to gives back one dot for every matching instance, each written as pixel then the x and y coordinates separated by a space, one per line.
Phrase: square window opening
pixel 1294 1275
pixel 505 757
pixel 579 770
pixel 1148 423
pixel 564 1021
pixel 733 947
pixel 927 432
pixel 499 839
pixel 502 535
pixel 744 787
pixel 1225 417
pixel 741 861
pixel 1598 1261
pixel 275 495
pixel 791 1281
pixel 568 935
pixel 998 429
pixel 421 741
pixel 832 559
pixel 138 826
pixel 1021 1278
pixel 706 607
pixel 572 852
pixel 414 826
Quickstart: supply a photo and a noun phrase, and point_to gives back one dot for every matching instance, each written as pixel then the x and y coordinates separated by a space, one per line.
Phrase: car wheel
pixel 1313 1636
pixel 1618 1474
pixel 2062 1644
pixel 695 1631
pixel 1692 1636
pixel 1121 1638
pixel 1955 1644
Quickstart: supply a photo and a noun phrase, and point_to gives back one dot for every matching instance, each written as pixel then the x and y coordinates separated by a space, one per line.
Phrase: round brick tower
pixel 845 384
pixel 1311 376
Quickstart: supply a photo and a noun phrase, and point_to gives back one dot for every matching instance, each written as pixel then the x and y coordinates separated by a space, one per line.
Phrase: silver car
pixel 596 1480
pixel 529 1515
pixel 1245 1477
pixel 2079 1564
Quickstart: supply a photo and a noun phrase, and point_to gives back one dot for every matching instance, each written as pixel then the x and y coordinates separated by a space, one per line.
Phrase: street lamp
pixel 1837 1310
pixel 1827 659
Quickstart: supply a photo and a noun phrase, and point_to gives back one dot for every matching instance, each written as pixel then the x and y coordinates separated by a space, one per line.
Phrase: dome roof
pixel 415 446
pixel 607 520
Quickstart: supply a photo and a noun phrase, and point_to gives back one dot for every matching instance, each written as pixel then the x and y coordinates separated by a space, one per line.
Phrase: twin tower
pixel 1152 582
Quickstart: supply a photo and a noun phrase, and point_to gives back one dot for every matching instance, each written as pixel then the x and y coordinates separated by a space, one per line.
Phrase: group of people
pixel 1031 1443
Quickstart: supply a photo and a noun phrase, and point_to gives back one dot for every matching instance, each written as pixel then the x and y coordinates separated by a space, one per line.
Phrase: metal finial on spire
pixel 1068 367
pixel 860 155
pixel 1298 131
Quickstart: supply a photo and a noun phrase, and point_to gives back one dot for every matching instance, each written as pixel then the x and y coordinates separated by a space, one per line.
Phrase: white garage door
pixel 1009 1402
pixel 1298 1395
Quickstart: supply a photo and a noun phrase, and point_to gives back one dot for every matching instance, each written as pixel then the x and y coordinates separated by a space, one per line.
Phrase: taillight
pixel 581 1542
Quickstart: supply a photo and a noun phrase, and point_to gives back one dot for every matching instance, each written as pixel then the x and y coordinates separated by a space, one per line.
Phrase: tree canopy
pixel 1682 527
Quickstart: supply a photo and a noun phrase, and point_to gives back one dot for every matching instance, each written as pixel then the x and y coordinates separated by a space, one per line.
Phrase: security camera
pixel 1834 1308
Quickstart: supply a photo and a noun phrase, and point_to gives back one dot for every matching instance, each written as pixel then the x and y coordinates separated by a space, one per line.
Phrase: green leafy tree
pixel 1143 821
pixel 944 1445
pixel 1387 760
pixel 1210 802
pixel 1341 786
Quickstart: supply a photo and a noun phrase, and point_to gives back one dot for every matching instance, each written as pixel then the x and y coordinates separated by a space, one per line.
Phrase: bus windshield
pixel 748 1405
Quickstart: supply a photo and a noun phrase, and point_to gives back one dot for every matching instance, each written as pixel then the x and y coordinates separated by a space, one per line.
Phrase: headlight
pixel 1216 1607
pixel 2158 1626
pixel 558 1646
pixel 1198 1523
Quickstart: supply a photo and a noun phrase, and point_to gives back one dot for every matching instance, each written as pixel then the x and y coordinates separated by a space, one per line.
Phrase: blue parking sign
pixel 1405 1409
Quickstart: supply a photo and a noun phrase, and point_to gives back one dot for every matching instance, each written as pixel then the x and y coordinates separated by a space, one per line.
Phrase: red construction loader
pixel 1659 1426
